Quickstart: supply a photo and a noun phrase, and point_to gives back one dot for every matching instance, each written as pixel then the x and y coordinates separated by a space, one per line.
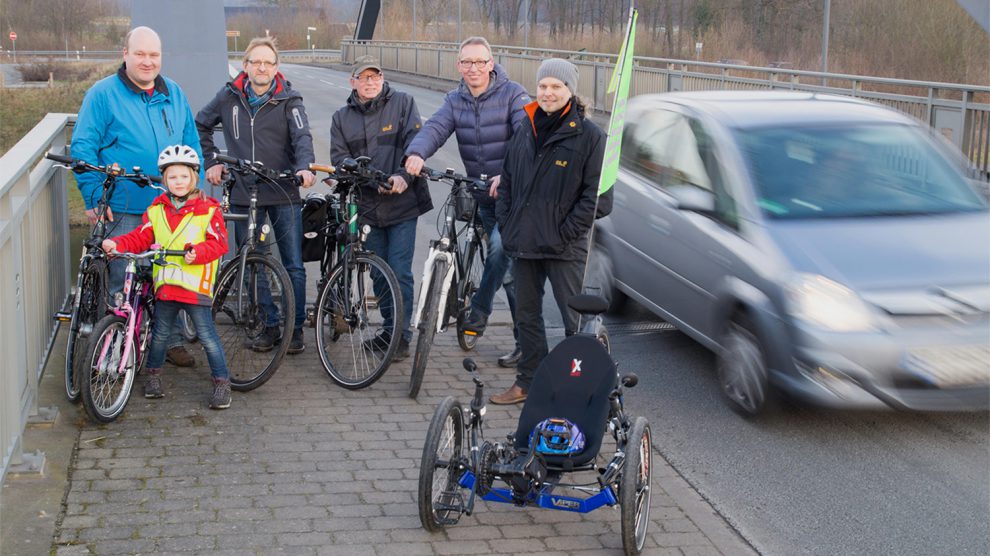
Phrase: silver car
pixel 819 245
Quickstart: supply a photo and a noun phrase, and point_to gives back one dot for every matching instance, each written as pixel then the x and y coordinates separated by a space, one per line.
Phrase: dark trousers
pixel 530 277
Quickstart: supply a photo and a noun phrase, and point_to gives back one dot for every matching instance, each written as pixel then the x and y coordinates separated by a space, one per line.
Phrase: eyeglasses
pixel 466 64
pixel 262 63
pixel 373 78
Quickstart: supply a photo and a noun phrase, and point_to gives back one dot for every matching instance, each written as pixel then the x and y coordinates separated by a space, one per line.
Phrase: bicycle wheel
pixel 474 268
pixel 444 461
pixel 107 380
pixel 187 328
pixel 634 486
pixel 242 305
pixel 88 306
pixel 427 326
pixel 356 315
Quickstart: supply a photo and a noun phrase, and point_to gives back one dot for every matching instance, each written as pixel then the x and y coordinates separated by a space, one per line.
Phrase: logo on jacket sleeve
pixel 561 163
pixel 575 367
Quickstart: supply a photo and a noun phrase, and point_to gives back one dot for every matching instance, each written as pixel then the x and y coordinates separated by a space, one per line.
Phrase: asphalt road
pixel 798 481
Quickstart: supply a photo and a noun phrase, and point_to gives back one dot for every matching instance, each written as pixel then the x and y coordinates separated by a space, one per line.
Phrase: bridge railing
pixel 959 112
pixel 34 255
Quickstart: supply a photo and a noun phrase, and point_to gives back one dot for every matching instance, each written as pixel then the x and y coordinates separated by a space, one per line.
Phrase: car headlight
pixel 828 305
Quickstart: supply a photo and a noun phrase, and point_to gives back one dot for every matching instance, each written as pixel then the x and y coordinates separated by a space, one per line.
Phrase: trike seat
pixel 573 382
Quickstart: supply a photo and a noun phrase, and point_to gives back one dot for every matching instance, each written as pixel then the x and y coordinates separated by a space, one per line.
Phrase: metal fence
pixel 959 112
pixel 34 255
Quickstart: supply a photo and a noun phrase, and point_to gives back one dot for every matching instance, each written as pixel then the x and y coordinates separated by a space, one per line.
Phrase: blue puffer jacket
pixel 118 122
pixel 483 125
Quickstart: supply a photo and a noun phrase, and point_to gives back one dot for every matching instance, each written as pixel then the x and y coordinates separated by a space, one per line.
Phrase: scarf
pixel 545 124
pixel 256 101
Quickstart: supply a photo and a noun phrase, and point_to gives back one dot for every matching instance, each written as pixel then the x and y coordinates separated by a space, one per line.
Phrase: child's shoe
pixel 153 384
pixel 220 399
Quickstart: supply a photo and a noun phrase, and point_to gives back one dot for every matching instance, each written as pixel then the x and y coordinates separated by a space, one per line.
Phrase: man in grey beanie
pixel 546 204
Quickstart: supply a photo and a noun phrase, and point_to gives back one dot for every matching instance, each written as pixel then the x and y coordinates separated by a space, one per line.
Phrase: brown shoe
pixel 179 357
pixel 514 394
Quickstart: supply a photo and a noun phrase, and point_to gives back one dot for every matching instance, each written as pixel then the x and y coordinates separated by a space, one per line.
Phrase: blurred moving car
pixel 821 245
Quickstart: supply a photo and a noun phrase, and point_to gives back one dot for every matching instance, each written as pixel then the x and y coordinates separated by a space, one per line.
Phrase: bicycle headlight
pixel 828 305
pixel 118 299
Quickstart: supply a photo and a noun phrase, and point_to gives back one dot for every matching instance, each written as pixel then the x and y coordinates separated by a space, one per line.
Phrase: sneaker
pixel 153 384
pixel 267 339
pixel 220 399
pixel 402 351
pixel 297 345
pixel 510 359
pixel 179 357
pixel 476 323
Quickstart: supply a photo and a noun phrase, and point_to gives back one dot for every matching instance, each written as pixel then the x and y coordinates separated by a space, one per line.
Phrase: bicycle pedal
pixel 470 333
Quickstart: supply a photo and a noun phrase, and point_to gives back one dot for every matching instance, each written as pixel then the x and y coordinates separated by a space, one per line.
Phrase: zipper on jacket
pixel 168 128
pixel 235 118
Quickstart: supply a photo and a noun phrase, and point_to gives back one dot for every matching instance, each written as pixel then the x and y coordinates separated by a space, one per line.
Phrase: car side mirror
pixel 694 199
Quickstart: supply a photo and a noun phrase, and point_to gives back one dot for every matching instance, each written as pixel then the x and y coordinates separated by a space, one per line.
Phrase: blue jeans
pixel 122 224
pixel 166 313
pixel 497 270
pixel 286 221
pixel 396 244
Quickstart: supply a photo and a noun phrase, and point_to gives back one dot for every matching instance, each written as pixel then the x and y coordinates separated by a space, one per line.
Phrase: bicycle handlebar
pixel 456 179
pixel 113 170
pixel 150 253
pixel 241 166
pixel 359 167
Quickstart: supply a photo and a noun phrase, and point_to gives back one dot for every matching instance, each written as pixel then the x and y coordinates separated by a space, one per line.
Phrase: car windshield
pixel 852 171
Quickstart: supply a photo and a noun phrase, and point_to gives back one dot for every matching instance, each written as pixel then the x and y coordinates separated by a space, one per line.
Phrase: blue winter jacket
pixel 118 122
pixel 483 125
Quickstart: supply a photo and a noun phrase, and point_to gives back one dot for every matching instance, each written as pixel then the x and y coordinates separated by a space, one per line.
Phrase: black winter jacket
pixel 277 135
pixel 546 199
pixel 381 129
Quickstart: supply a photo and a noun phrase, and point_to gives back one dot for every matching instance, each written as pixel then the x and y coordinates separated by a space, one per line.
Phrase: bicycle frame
pixel 134 301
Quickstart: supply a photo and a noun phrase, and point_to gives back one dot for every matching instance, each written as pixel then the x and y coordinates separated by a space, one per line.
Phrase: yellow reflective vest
pixel 198 278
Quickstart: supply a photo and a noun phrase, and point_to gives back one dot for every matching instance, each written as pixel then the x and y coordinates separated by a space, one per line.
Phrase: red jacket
pixel 214 247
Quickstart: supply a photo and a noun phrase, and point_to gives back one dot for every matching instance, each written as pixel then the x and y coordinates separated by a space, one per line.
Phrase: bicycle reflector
pixel 558 437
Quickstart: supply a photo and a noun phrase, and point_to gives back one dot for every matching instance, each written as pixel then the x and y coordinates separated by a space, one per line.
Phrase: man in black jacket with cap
pixel 380 122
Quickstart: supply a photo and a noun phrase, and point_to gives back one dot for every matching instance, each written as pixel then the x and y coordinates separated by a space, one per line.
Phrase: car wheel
pixel 601 279
pixel 742 368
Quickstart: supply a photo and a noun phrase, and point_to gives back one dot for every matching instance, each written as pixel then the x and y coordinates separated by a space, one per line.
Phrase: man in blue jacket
pixel 129 118
pixel 483 111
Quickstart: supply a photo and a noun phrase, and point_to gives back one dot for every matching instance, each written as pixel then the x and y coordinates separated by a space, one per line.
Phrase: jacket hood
pixel 372 105
pixel 499 78
pixel 283 87
pixel 200 204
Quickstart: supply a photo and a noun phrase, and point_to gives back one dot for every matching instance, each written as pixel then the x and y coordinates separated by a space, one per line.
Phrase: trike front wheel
pixel 634 486
pixel 442 466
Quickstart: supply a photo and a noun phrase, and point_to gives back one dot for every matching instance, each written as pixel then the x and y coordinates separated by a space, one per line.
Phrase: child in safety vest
pixel 182 219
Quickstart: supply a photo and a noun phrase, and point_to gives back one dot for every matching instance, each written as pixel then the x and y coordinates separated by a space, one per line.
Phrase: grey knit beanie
pixel 561 69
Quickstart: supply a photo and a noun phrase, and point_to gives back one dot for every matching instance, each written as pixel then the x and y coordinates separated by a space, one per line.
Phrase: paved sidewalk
pixel 301 466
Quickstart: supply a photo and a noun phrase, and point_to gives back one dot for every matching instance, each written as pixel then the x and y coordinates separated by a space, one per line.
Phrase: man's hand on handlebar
pixel 307 177
pixel 414 164
pixel 493 189
pixel 398 184
pixel 214 174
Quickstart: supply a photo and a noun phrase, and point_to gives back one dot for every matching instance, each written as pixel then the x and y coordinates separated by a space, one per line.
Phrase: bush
pixel 62 71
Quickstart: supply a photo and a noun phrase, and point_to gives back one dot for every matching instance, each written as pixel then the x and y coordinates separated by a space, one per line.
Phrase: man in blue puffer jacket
pixel 129 118
pixel 483 111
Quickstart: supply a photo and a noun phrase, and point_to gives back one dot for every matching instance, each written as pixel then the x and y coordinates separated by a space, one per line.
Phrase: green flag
pixel 620 86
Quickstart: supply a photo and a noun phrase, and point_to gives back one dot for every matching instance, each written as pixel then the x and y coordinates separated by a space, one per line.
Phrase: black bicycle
pixel 89 298
pixel 253 290
pixel 452 271
pixel 359 306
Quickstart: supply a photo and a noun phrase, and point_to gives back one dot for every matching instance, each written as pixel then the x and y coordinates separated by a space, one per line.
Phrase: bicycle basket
pixel 314 228
pixel 464 205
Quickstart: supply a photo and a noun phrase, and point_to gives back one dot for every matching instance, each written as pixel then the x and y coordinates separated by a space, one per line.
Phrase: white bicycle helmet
pixel 178 154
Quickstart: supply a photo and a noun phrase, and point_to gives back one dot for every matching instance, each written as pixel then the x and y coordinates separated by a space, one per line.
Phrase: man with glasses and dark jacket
pixel 482 112
pixel 264 120
pixel 380 122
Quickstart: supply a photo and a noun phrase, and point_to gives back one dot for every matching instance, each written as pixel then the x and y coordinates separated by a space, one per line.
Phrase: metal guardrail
pixel 34 255
pixel 959 112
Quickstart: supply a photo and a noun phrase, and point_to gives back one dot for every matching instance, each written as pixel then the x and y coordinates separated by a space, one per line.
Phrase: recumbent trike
pixel 576 396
